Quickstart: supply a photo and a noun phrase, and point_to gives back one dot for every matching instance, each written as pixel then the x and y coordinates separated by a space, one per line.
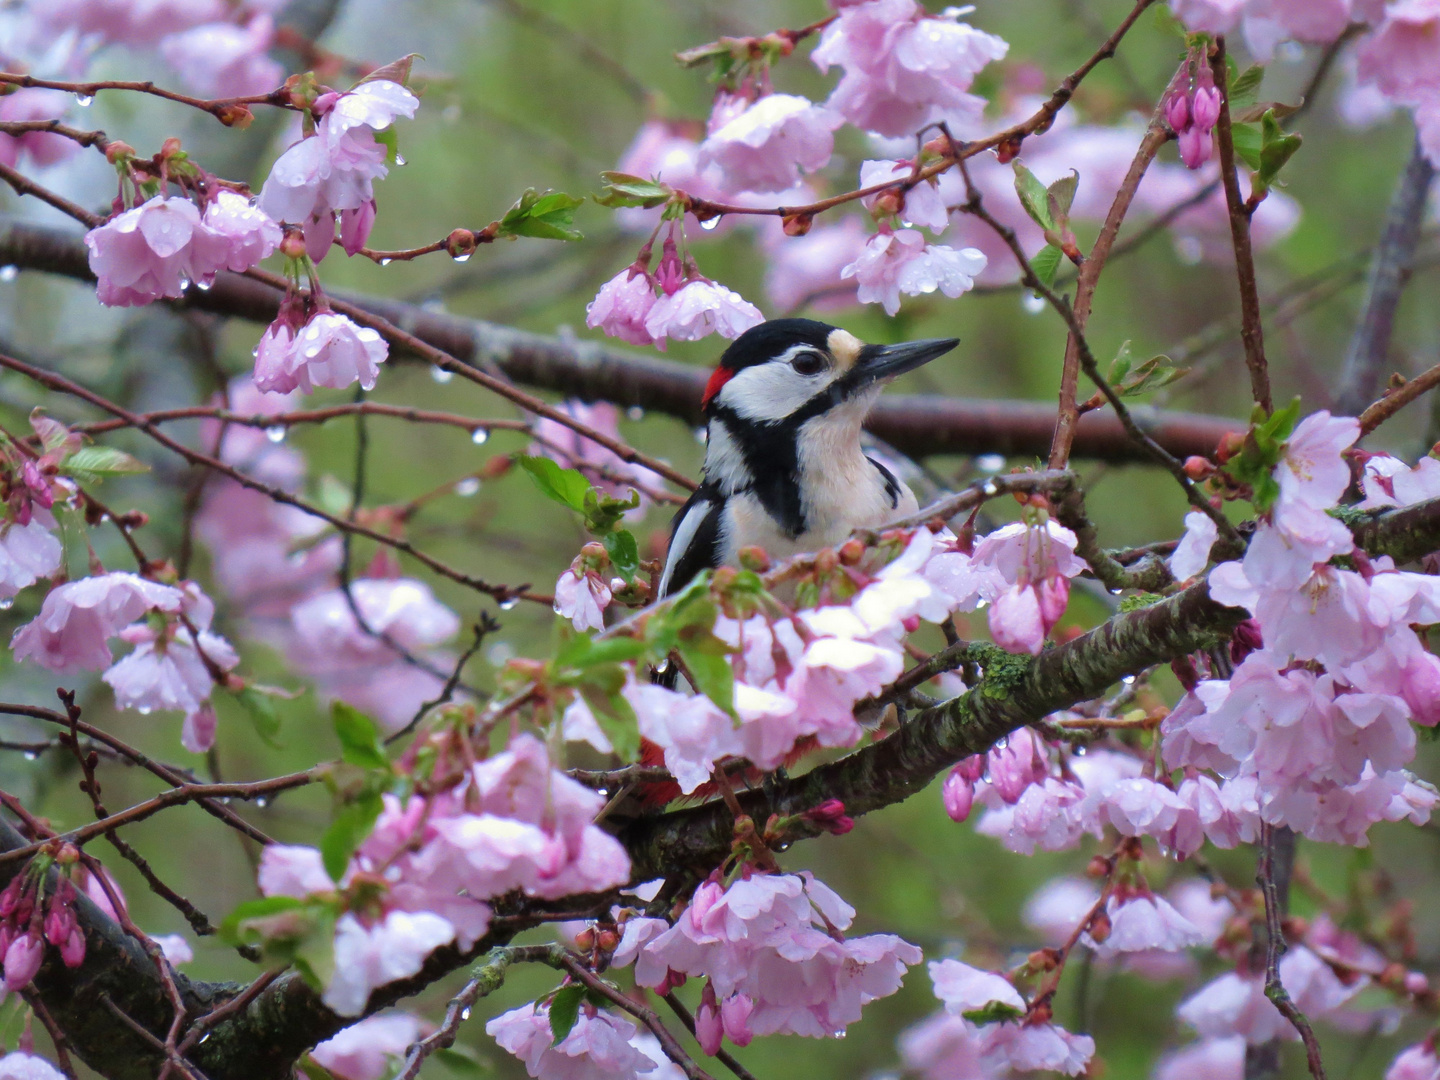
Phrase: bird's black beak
pixel 878 362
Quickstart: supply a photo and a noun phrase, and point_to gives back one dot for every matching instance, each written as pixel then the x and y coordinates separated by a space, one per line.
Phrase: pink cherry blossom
pixel 157 249
pixel 901 262
pixel 28 553
pixel 1235 1004
pixel 621 307
pixel 129 22
pixel 19 1065
pixel 335 169
pixel 1142 922
pixel 250 234
pixel 699 309
pixel 1388 481
pixel 942 1047
pixel 1209 1059
pixel 367 957
pixel 330 351
pixel 367 1050
pixel 923 204
pixel 1193 553
pixel 293 870
pixel 905 69
pixel 1402 55
pixel 168 671
pixel 78 618
pixel 1028 1047
pixel 958 793
pixel 225 60
pixel 1413 1063
pixel 582 598
pixel 962 988
pixel 22 959
pixel 176 949
pixel 598 1047
pixel 694 733
pixel 42 147
pixel 765 146
pixel 1312 472
pixel 1058 906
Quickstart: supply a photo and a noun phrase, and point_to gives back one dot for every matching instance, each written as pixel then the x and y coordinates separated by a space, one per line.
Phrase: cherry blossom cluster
pixel 423 876
pixel 1191 112
pixel 29 919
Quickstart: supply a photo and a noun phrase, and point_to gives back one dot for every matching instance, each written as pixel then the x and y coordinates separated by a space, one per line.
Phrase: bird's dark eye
pixel 808 363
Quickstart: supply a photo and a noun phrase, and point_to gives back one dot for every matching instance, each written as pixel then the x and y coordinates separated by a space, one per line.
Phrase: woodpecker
pixel 783 465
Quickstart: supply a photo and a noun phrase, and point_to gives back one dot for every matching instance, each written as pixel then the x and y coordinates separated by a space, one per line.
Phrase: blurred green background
pixel 512 102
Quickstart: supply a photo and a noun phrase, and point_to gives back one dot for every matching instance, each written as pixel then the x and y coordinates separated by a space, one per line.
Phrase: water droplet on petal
pixel 710 225
pixel 479 436
pixel 275 434
pixel 464 256
pixel 1079 751
pixel 440 375
pixel 184 284
pixel 9 273
pixel 386 262
pixel 7 603
pixel 204 286
pixel 467 487
pixel 83 100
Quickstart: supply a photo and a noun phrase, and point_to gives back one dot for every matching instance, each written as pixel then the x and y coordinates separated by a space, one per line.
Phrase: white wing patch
pixel 681 541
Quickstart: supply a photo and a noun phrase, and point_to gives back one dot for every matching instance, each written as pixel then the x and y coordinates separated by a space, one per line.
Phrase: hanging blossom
pixel 162 247
pixel 1022 1045
pixel 1416 1062
pixel 923 205
pixel 309 346
pixel 1033 564
pixel 222 59
pixel 368 1050
pixel 581 593
pixel 771 950
pixel 78 619
pixel 1192 115
pixel 689 305
pixel 904 69
pixel 761 146
pixel 896 262
pixel 423 876
pixel 601 1046
pixel 333 171
pixel 30 487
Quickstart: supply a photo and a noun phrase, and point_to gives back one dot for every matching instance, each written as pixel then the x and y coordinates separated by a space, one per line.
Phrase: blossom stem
pixel 1252 332
pixel 1392 401
pixel 1271 874
pixel 216 107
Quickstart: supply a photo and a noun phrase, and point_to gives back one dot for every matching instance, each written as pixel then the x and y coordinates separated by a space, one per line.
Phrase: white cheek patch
pixel 845 348
pixel 771 391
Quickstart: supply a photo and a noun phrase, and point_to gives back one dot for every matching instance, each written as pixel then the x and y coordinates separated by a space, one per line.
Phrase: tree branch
pixel 918 426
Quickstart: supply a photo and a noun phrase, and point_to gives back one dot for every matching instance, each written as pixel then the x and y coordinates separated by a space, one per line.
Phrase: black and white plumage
pixel 784 469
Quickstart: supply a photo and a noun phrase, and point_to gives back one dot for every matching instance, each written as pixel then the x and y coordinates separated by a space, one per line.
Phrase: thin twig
pixel 1267 878
pixel 1395 400
pixel 1251 330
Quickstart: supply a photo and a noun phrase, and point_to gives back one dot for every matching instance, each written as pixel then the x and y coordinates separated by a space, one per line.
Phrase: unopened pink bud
pixel 735 1019
pixel 1053 594
pixel 1205 108
pixel 706 897
pixel 709 1028
pixel 958 795
pixel 1195 147
pixel 22 960
pixel 1177 113
pixel 72 953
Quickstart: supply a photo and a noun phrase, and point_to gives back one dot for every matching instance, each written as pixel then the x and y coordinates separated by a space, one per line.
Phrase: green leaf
pixel 313 1070
pixel 1045 262
pixel 1245 87
pixel 53 434
pixel 993 1012
pixel 1150 375
pixel 564 1011
pixel 347 831
pixel 1120 366
pixel 603 512
pixel 397 71
pixel 1246 139
pixel 387 138
pixel 622 189
pixel 260 707
pixel 1059 196
pixel 232 928
pixel 1276 148
pixel 624 553
pixel 549 216
pixel 1033 196
pixel 102 461
pixel 359 737
pixel 584 651
pixel 707 658
pixel 564 486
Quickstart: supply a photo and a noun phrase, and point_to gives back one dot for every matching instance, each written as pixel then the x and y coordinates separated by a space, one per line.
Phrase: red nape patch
pixel 718 378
